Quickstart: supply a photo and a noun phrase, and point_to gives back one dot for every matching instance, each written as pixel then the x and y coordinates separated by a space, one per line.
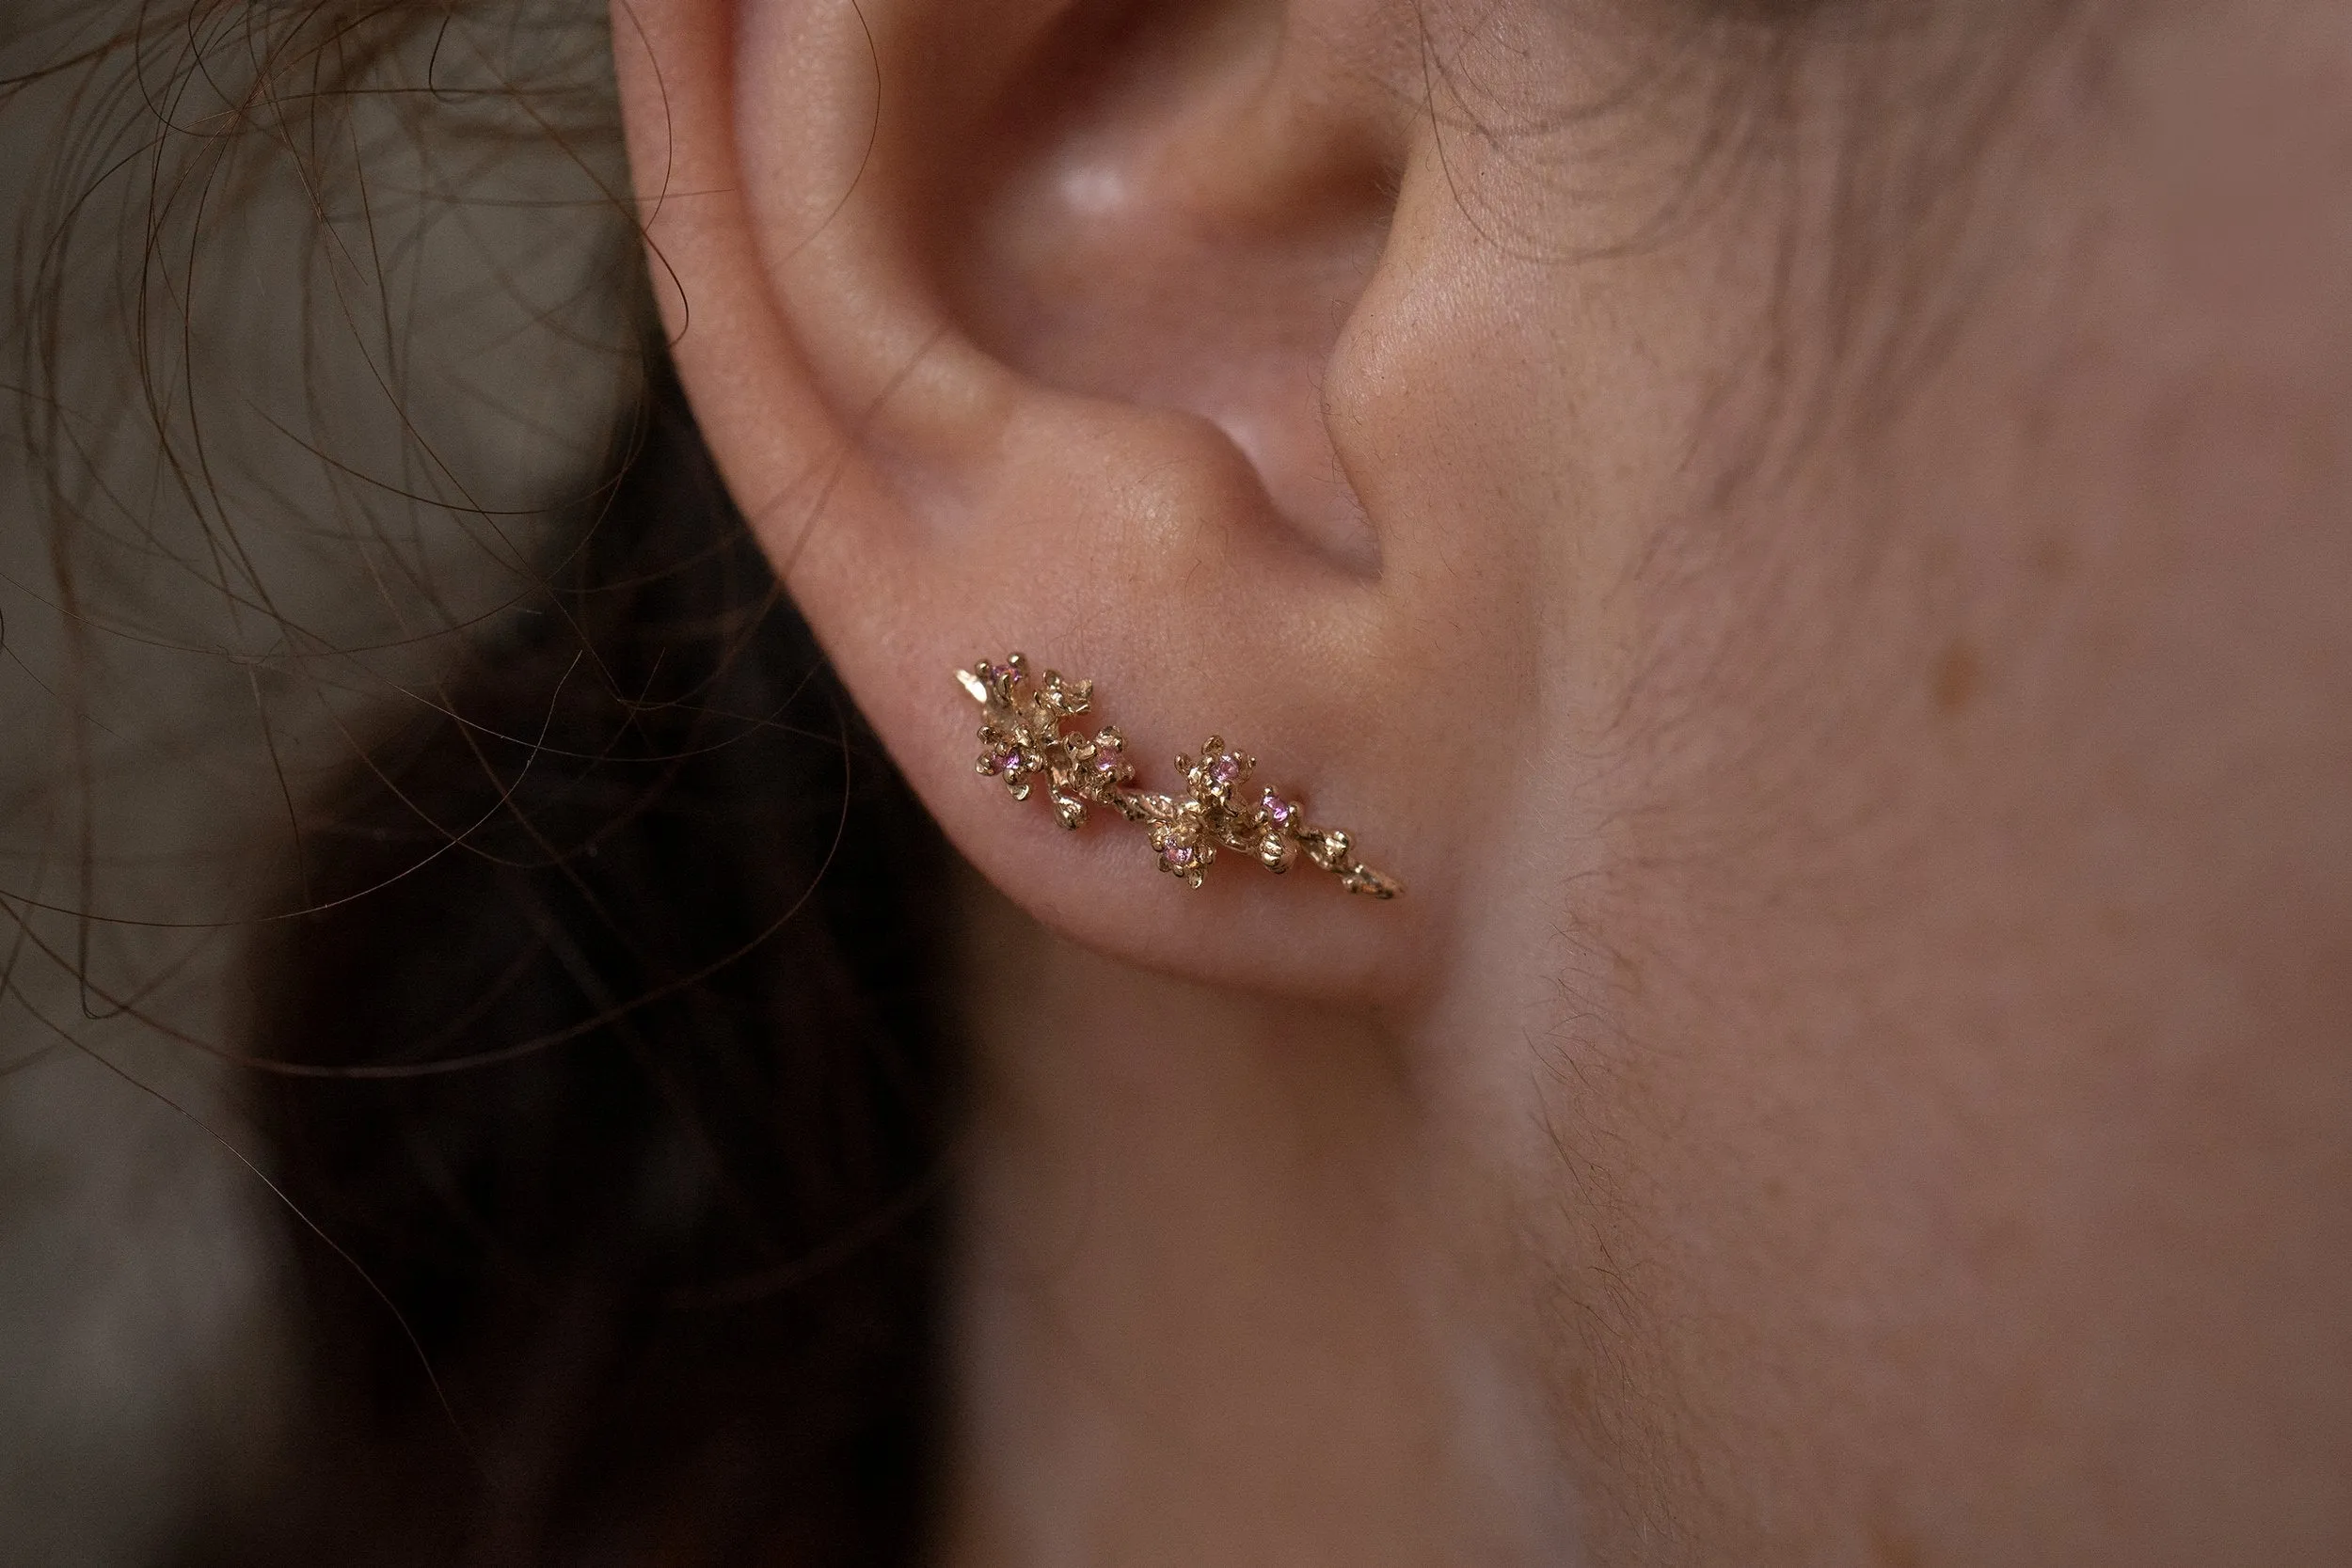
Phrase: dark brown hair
pixel 632 1104
pixel 591 1044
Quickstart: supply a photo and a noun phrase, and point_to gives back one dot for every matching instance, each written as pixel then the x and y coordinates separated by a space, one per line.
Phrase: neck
pixel 1207 1307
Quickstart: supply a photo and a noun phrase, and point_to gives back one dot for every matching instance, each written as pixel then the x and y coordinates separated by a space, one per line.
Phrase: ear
pixel 1013 327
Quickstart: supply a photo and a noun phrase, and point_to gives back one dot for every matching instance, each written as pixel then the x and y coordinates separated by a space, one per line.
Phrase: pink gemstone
pixel 1008 762
pixel 1180 855
pixel 1280 810
pixel 1226 770
pixel 1106 763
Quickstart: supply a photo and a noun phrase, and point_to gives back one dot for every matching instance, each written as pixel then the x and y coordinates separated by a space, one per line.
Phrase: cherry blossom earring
pixel 1023 742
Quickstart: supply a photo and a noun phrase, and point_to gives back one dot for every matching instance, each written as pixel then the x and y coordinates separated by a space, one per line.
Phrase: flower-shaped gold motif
pixel 1023 742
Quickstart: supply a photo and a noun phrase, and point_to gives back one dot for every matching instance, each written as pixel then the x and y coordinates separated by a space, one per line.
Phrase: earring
pixel 1021 742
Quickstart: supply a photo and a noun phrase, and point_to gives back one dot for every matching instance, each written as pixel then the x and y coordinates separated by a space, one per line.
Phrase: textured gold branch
pixel 1024 741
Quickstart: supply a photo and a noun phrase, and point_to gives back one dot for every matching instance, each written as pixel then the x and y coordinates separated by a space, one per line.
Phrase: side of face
pixel 1946 1044
pixel 1820 548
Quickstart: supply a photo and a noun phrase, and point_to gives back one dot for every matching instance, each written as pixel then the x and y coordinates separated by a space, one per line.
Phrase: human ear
pixel 1025 327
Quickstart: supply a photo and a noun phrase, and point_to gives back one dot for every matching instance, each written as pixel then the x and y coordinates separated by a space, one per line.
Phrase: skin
pixel 1841 628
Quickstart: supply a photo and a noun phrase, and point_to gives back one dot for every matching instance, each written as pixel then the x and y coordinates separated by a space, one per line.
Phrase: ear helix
pixel 1022 741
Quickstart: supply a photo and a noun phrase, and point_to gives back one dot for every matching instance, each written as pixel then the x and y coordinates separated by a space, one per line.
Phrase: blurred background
pixel 320 318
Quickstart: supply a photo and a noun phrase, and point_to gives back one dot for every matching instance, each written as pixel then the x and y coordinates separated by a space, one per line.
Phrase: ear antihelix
pixel 1026 739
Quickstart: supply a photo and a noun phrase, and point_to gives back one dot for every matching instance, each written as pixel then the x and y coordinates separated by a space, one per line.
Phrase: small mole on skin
pixel 1956 678
pixel 2054 558
pixel 1629 973
pixel 1578 1392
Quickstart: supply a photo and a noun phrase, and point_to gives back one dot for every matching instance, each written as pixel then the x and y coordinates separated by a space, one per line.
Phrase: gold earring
pixel 1021 742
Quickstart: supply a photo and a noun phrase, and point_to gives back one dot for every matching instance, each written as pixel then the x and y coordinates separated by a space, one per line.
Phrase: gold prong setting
pixel 1027 740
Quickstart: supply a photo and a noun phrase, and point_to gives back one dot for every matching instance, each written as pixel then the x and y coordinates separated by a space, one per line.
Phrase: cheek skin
pixel 1517 426
pixel 1910 1028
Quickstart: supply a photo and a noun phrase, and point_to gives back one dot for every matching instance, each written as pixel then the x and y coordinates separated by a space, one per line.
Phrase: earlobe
pixel 1008 331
